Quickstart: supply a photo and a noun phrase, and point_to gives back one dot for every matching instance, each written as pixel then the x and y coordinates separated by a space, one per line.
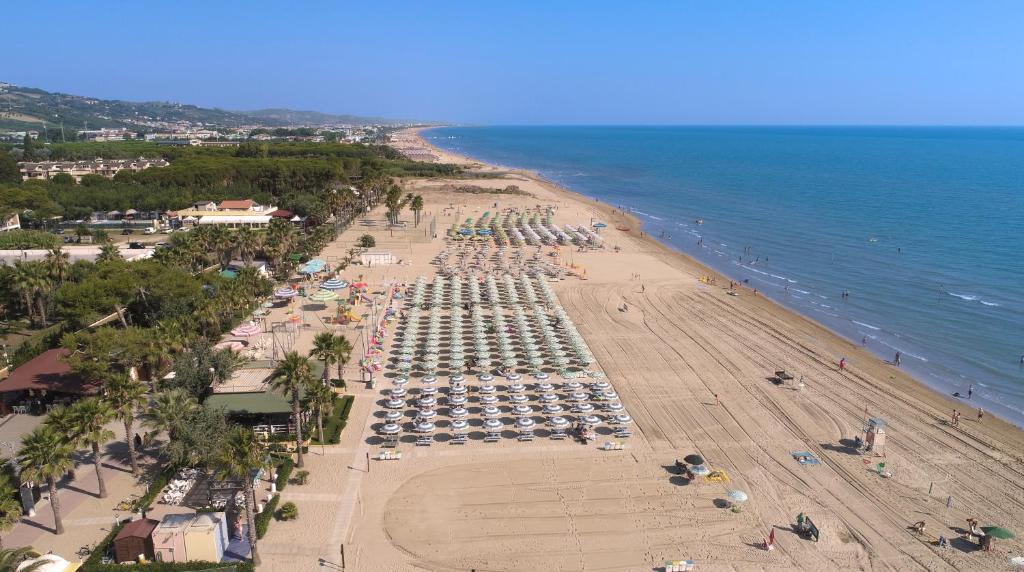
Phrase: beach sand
pixel 564 506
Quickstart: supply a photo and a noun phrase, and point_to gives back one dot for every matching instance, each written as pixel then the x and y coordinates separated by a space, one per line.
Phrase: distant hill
pixel 293 117
pixel 29 108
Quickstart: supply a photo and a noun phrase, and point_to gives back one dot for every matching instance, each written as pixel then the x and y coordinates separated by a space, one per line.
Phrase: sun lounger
pixel 424 441
pixel 492 438
pixel 805 458
pixel 389 456
pixel 679 565
pixel 612 446
pixel 458 439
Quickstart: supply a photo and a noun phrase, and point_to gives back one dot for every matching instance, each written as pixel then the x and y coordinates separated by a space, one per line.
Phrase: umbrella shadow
pixel 720 503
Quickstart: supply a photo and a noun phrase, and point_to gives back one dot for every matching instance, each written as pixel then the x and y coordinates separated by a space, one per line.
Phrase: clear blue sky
pixel 771 62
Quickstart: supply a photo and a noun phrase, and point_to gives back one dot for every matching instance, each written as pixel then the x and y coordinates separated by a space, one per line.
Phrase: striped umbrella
pixel 247 330
pixel 334 284
pixel 286 292
pixel 323 296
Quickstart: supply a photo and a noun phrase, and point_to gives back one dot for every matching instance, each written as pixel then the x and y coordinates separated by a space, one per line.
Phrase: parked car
pixel 136 245
pixel 149 230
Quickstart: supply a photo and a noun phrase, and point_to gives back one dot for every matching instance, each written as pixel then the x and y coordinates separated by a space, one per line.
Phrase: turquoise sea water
pixel 924 227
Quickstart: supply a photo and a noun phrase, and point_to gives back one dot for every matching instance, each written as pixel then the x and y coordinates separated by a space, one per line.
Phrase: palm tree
pixel 323 348
pixel 108 253
pixel 61 420
pixel 290 377
pixel 89 418
pixel 320 396
pixel 168 409
pixel 342 353
pixel 13 559
pixel 239 456
pixel 45 456
pixel 126 396
pixel 417 206
pixel 58 264
pixel 247 243
pixel 10 508
pixel 32 283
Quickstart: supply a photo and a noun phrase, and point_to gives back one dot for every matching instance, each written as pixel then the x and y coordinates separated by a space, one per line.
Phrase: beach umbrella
pixel 602 385
pixel 400 381
pixel 545 387
pixel 622 419
pixel 393 415
pixel 390 429
pixel 458 412
pixel 694 459
pixel 398 392
pixel 424 427
pixel 492 425
pixel 247 330
pixel 577 396
pixel 558 422
pixel 485 377
pixel 518 398
pixel 426 414
pixel 487 389
pixel 426 401
pixel 549 398
pixel 334 284
pixel 583 408
pixel 522 410
pixel 738 496
pixel 323 296
pixel 513 377
pixel 599 225
pixel 457 378
pixel 489 399
pixel 457 400
pixel 540 376
pixel 285 292
pixel 394 403
pixel 591 420
pixel 997 532
pixel 525 423
pixel 491 411
pixel 614 407
pixel 700 470
pixel 457 390
pixel 429 379
pixel 428 390
pixel 460 425
pixel 516 388
pixel 609 394
pixel 552 408
pixel 572 385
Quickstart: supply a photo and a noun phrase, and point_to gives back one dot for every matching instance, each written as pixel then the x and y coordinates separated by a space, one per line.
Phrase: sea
pixel 905 239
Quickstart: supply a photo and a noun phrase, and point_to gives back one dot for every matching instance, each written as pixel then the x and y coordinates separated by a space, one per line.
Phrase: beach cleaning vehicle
pixel 805 527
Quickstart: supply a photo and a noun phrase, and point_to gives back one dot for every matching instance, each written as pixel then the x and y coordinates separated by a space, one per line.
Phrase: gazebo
pixel 41 382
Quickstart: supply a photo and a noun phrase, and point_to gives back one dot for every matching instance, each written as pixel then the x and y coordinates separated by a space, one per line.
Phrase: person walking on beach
pixel 952 419
pixel 981 413
pixel 842 364
pixel 864 342
pixel 970 390
pixel 896 360
pixel 717 400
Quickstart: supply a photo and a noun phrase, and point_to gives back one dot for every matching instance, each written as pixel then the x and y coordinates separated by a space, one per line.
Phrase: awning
pixel 47 371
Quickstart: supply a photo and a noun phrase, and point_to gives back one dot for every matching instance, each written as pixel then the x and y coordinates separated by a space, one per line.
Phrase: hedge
pixel 284 472
pixel 159 482
pixel 263 518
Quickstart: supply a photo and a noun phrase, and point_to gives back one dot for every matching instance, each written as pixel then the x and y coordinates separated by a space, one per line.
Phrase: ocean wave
pixel 968 297
pixel 904 352
pixel 868 326
pixel 985 303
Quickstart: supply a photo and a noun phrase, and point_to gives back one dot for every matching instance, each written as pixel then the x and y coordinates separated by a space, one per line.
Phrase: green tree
pixel 45 456
pixel 58 264
pixel 247 244
pixel 12 560
pixel 239 456
pixel 126 397
pixel 417 207
pixel 9 170
pixel 320 396
pixel 89 418
pixel 168 409
pixel 323 349
pixel 10 508
pixel 342 353
pixel 197 437
pixel 290 377
pixel 367 241
pixel 28 147
pixel 109 253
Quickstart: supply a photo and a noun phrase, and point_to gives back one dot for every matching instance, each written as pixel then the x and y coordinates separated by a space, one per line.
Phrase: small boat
pixel 622 228
pixel 699 221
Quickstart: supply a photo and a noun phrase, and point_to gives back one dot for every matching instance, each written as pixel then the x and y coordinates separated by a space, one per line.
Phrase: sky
pixel 540 62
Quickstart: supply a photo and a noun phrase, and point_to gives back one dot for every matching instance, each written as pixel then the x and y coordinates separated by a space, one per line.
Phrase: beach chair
pixel 612 446
pixel 492 438
pixel 622 433
pixel 805 458
pixel 458 439
pixel 526 437
pixel 558 435
pixel 424 441
pixel 679 565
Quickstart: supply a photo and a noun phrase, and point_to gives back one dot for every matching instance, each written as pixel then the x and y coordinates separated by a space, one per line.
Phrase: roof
pixel 238 219
pixel 137 529
pixel 249 403
pixel 47 371
pixel 238 204
pixel 282 213
pixel 174 522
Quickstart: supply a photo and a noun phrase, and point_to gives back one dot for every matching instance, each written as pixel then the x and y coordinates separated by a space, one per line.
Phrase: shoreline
pixel 687 262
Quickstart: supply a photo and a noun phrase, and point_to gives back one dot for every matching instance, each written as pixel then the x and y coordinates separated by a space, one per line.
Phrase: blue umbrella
pixel 599 225
pixel 465 231
pixel 484 232
pixel 334 284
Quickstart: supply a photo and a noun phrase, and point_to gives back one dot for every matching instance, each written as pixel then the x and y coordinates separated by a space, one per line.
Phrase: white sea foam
pixel 985 303
pixel 868 326
pixel 968 297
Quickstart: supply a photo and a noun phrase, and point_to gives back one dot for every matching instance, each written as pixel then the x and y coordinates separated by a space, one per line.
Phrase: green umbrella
pixel 997 532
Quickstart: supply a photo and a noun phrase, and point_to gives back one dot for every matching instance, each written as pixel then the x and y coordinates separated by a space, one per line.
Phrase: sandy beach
pixel 684 339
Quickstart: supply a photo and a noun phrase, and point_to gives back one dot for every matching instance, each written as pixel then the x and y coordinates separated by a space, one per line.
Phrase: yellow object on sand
pixel 718 477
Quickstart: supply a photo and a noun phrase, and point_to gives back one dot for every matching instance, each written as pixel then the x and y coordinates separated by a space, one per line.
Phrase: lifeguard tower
pixel 874 436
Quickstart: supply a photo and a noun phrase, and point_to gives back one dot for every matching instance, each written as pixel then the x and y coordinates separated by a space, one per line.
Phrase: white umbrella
pixel 736 496
pixel 394 403
pixel 426 414
pixel 457 400
pixel 518 398
pixel 390 429
pixel 539 376
pixel 457 378
pixel 487 389
pixel 572 385
pixel 393 415
pixel 517 387
pixel 460 425
pixel 549 398
pixel 424 427
pixel 545 387
pixel 429 379
pixel 427 401
pixel 492 425
pixel 457 390
pixel 558 422
pixel 525 423
pixel 513 377
pixel 491 411
pixel 486 377
pixel 428 391
pixel 458 412
pixel 591 420
pixel 583 408
pixel 399 381
pixel 552 408
pixel 522 410
pixel 622 419
pixel 615 407
pixel 577 396
pixel 398 392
